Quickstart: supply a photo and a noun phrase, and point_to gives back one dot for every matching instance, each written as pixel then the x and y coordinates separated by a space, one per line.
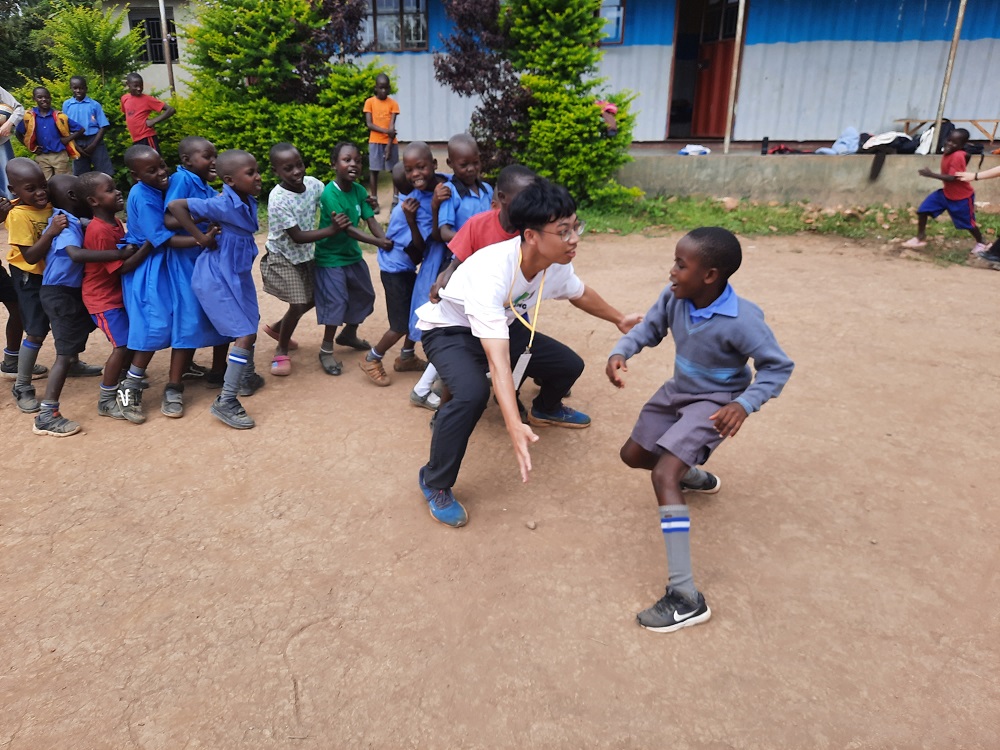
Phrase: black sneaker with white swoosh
pixel 674 612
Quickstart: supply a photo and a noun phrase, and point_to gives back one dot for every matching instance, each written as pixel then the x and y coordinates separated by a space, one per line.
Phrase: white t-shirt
pixel 477 294
pixel 7 98
pixel 285 210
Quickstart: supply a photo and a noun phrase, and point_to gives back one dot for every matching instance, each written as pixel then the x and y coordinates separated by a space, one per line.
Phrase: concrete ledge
pixel 823 180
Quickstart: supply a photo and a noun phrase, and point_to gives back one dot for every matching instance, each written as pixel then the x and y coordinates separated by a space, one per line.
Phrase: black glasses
pixel 567 234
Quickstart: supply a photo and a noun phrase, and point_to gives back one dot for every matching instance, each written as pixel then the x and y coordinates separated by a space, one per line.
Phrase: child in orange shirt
pixel 381 111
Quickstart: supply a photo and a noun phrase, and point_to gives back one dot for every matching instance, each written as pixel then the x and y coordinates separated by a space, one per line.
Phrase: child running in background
pixel 409 227
pixel 146 288
pixel 137 107
pixel 956 197
pixel 381 112
pixel 344 293
pixel 190 327
pixel 62 299
pixel 287 268
pixel 222 279
pixel 711 394
pixel 102 282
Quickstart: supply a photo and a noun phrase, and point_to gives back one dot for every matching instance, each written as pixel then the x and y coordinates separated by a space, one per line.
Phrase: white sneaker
pixel 431 401
pixel 980 249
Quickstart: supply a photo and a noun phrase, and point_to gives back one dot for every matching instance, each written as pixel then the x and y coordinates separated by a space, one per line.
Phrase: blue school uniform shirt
pixel 60 269
pixel 222 278
pixel 463 203
pixel 88 113
pixel 725 304
pixel 145 208
pixel 46 133
pixel 398 230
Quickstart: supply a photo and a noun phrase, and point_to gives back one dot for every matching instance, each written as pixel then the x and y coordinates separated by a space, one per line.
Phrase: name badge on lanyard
pixel 521 367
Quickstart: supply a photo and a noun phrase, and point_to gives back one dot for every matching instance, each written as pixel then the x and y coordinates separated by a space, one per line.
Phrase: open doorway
pixel 703 66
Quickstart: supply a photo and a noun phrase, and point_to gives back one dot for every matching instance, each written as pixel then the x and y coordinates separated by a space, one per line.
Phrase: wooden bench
pixel 912 125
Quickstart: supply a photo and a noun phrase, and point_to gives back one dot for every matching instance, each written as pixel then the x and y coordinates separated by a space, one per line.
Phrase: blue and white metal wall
pixel 812 68
pixel 432 112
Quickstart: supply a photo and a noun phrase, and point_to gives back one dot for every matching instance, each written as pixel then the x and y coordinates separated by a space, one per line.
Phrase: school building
pixel 805 69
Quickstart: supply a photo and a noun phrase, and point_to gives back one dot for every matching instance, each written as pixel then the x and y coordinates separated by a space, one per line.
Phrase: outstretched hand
pixel 522 437
pixel 630 321
pixel 616 366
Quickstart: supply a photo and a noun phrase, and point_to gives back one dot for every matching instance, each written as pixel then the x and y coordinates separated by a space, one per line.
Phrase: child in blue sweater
pixel 711 394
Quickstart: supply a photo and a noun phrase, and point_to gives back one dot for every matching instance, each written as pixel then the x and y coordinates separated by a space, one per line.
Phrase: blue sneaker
pixel 443 505
pixel 563 417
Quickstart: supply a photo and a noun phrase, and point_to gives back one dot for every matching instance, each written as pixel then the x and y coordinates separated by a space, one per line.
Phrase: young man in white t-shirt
pixel 485 320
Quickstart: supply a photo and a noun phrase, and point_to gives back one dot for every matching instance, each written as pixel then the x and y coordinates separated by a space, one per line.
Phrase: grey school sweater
pixel 711 355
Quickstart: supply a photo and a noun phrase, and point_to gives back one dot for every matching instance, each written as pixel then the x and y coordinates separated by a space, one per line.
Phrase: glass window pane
pixel 388 32
pixel 612 23
pixel 368 30
pixel 415 31
pixel 386 6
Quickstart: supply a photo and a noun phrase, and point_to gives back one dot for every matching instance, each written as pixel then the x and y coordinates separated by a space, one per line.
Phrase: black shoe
pixel 674 612
pixel 709 486
pixel 214 381
pixel 80 369
pixel 990 257
pixel 194 372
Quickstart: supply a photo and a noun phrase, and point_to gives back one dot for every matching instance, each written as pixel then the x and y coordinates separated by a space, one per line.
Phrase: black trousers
pixel 461 363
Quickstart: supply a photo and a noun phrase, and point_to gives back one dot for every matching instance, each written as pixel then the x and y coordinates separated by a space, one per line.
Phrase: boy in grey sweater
pixel 710 395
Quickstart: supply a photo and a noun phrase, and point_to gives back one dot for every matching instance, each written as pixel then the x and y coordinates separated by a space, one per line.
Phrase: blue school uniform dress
pixel 434 255
pixel 146 290
pixel 222 280
pixel 191 328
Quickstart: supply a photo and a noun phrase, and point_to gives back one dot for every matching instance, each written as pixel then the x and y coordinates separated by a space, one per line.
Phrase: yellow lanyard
pixel 538 303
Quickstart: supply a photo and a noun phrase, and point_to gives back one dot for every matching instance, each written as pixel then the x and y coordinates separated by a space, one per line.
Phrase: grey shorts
pixel 344 295
pixel 382 156
pixel 678 423
pixel 290 282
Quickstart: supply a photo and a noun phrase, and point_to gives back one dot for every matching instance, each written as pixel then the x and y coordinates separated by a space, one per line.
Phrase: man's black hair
pixel 718 248
pixel 540 203
pixel 515 174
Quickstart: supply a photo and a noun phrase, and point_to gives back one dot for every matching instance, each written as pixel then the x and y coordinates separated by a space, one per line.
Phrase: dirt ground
pixel 183 585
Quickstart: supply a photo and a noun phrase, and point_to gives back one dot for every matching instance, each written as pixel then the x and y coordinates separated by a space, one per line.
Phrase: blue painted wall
pixel 648 22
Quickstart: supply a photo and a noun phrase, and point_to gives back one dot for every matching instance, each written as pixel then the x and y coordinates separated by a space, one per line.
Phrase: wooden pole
pixel 947 74
pixel 165 33
pixel 734 79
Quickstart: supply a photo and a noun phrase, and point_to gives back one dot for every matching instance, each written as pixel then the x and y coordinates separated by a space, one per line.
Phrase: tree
pixel 475 63
pixel 23 55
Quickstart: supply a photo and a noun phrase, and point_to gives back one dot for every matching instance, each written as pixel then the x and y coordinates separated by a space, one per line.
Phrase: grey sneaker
pixel 330 364
pixel 250 384
pixel 430 401
pixel 232 413
pixel 24 395
pixel 130 401
pixel 709 484
pixel 674 612
pixel 173 403
pixel 80 369
pixel 55 424
pixel 9 371
pixel 110 408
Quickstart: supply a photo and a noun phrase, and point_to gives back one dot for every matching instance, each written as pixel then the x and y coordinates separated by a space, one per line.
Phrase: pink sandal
pixel 281 365
pixel 292 344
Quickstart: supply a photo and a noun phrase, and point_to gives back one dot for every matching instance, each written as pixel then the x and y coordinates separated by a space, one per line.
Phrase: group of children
pixel 71 140
pixel 179 278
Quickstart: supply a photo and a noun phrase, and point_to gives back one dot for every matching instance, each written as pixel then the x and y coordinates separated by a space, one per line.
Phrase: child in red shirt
pixel 955 197
pixel 102 282
pixel 137 107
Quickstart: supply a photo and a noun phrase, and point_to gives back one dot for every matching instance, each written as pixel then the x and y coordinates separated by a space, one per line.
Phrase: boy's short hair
pixel 191 142
pixel 540 203
pixel 718 248
pixel 515 174
pixel 280 148
pixel 399 180
pixel 60 186
pixel 961 133
pixel 133 77
pixel 82 79
pixel 382 77
pixel 415 146
pixel 139 151
pixel 229 161
pixel 21 167
pixel 462 139
pixel 39 88
pixel 88 182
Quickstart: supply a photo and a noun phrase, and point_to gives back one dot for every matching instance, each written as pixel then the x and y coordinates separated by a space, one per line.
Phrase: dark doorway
pixel 703 67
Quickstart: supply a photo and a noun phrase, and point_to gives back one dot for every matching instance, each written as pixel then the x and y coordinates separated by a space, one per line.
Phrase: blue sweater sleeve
pixel 771 365
pixel 651 331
